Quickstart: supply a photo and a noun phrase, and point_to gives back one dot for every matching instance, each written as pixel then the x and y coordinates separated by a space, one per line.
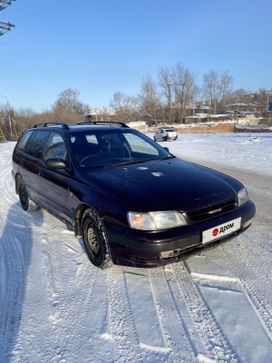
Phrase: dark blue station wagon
pixel 130 200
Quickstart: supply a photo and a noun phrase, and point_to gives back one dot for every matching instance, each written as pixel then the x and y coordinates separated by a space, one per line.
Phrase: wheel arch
pixel 79 213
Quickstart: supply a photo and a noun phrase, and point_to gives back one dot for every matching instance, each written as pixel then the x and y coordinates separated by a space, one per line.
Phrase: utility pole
pixel 5 27
pixel 9 120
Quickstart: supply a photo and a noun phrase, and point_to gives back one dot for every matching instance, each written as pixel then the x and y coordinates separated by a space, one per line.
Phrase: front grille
pixel 212 211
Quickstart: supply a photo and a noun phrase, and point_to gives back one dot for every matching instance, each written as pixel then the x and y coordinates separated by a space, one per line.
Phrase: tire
pixel 27 204
pixel 95 240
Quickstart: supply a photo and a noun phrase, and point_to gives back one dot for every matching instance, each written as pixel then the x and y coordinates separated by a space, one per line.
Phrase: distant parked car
pixel 166 134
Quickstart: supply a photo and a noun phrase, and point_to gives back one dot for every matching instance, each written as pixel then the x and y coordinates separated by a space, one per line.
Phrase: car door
pixel 30 161
pixel 57 181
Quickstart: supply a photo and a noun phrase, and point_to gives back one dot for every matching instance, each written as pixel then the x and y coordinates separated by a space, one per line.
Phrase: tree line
pixel 170 97
pixel 175 94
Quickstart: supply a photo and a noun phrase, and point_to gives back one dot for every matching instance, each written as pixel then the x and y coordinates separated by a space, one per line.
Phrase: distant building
pixel 242 109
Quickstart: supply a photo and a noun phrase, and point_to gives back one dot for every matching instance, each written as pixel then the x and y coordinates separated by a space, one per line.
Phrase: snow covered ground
pixel 241 150
pixel 215 306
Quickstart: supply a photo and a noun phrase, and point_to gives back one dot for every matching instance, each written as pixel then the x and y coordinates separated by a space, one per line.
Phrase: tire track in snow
pixel 15 260
pixel 12 293
pixel 13 264
pixel 75 294
pixel 98 329
pixel 173 327
pixel 225 296
pixel 215 342
pixel 260 301
pixel 52 291
pixel 126 341
pixel 152 340
pixel 81 324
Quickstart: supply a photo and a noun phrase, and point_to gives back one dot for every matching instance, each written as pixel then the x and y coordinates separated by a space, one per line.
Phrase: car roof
pixel 93 127
pixel 96 125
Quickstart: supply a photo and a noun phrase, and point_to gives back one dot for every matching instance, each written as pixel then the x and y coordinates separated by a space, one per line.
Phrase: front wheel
pixel 95 240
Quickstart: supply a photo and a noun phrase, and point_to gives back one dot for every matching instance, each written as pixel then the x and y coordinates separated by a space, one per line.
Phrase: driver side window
pixel 56 148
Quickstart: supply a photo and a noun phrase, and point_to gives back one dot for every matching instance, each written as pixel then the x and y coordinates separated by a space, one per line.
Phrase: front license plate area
pixel 221 231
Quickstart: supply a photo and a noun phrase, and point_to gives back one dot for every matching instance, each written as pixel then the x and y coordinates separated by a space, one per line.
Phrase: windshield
pixel 96 148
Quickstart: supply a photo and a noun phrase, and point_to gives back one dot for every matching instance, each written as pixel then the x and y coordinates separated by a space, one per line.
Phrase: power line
pixel 5 3
pixel 4 27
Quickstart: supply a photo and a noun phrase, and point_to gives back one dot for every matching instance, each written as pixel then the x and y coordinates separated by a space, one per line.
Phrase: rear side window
pixel 24 139
pixel 36 144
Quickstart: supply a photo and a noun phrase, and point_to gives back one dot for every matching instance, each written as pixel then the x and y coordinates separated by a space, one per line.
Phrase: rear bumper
pixel 139 248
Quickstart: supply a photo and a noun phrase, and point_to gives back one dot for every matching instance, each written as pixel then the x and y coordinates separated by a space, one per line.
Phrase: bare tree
pixel 225 84
pixel 167 89
pixel 216 87
pixel 185 89
pixel 262 99
pixel 210 82
pixel 68 107
pixel 150 104
pixel 125 107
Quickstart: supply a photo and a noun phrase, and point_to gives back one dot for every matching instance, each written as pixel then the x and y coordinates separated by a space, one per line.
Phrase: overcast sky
pixel 100 47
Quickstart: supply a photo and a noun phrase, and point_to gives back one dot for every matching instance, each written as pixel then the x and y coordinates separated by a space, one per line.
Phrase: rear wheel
pixel 95 240
pixel 26 203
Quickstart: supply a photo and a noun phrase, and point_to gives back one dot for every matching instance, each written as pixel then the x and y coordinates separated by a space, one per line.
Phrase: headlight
pixel 242 196
pixel 156 220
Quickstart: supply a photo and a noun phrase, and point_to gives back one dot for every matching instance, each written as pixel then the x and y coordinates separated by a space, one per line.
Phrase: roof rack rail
pixel 47 124
pixel 122 124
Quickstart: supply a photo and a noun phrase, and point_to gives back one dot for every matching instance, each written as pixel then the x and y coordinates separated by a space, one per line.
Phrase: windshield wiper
pixel 133 161
pixel 137 161
pixel 168 157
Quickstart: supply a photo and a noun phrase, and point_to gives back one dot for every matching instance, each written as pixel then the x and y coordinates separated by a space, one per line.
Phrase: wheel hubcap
pixel 93 240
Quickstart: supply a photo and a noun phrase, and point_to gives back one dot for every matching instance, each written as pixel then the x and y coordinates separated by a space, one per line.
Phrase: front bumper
pixel 138 248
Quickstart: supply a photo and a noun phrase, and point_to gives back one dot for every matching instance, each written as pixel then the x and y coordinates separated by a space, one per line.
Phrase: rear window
pixel 24 139
pixel 36 144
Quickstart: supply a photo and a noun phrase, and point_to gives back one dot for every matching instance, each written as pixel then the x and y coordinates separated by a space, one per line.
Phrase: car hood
pixel 164 185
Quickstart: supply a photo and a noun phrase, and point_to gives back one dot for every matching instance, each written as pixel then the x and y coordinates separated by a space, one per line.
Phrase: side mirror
pixel 166 149
pixel 56 164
